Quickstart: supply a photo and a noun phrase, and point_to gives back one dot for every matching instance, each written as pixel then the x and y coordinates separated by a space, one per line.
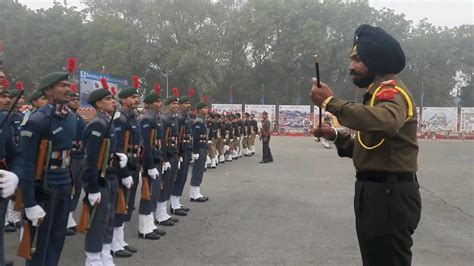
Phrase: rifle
pixel 181 135
pixel 146 192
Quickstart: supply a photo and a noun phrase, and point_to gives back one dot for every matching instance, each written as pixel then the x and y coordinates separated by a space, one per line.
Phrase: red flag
pixel 71 64
pixel 19 85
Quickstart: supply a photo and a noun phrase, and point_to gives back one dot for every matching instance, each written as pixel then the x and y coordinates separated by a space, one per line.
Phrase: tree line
pixel 244 51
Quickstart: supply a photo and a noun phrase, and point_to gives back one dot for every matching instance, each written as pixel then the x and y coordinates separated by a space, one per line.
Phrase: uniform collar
pixel 378 80
pixel 104 116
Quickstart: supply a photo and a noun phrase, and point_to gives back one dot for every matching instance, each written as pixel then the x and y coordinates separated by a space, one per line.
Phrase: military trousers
pixel 76 166
pixel 182 174
pixel 198 168
pixel 102 226
pixel 148 206
pixel 252 139
pixel 387 215
pixel 220 145
pixel 212 149
pixel 52 230
pixel 245 142
pixel 267 153
pixel 3 212
pixel 168 179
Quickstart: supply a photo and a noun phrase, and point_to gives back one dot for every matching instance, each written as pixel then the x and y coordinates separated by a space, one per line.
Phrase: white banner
pixel 294 119
pixel 90 81
pixel 258 109
pixel 440 119
pixel 467 119
pixel 227 108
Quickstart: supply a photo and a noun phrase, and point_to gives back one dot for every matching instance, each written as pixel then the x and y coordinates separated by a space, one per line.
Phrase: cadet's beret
pixel 52 78
pixel 4 92
pixel 171 99
pixel 237 115
pixel 184 99
pixel 35 95
pixel 200 106
pixel 73 94
pixel 97 95
pixel 125 93
pixel 264 113
pixel 378 50
pixel 14 93
pixel 151 97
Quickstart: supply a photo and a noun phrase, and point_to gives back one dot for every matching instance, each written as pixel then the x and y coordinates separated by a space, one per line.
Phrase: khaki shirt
pixel 386 123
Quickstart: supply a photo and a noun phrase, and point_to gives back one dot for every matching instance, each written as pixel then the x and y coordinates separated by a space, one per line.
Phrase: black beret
pixel 97 95
pixel 200 106
pixel 125 93
pixel 73 94
pixel 52 78
pixel 184 99
pixel 14 93
pixel 171 99
pixel 35 95
pixel 151 97
pixel 379 51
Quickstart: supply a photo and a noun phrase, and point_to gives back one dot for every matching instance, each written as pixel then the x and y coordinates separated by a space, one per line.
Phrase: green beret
pixel 201 106
pixel 53 78
pixel 97 95
pixel 184 99
pixel 5 92
pixel 171 99
pixel 151 97
pixel 35 95
pixel 378 50
pixel 14 93
pixel 73 94
pixel 125 93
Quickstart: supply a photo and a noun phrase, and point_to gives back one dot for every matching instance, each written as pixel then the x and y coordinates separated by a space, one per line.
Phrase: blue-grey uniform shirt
pixel 170 122
pixel 199 134
pixel 128 121
pixel 60 130
pixel 77 145
pixel 10 155
pixel 184 120
pixel 152 154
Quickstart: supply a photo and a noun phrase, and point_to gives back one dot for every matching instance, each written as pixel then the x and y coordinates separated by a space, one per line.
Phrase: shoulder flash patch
pixel 387 94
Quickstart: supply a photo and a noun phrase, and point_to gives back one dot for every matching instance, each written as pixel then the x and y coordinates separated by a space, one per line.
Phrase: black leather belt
pixel 386 177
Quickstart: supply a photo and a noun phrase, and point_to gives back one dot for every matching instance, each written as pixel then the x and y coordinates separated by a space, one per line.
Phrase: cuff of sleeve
pixel 325 103
pixel 28 189
pixel 123 172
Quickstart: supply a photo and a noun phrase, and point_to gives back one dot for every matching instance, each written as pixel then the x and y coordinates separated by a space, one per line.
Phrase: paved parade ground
pixel 299 211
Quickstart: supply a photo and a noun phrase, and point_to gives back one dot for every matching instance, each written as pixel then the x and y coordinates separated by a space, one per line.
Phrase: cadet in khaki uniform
pixel 387 201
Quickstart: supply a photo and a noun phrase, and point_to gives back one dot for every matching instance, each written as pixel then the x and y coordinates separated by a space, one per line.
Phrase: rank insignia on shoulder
pixel 388 82
pixel 387 94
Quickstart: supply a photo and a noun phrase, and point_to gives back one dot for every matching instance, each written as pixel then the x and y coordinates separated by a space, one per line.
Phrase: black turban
pixel 379 51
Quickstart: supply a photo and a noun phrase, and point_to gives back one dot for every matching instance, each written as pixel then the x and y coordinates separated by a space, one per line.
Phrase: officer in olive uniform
pixel 170 161
pixel 101 181
pixel 11 165
pixel 185 149
pixel 265 135
pixel 47 196
pixel 200 149
pixel 77 162
pixel 127 128
pixel 152 132
pixel 387 200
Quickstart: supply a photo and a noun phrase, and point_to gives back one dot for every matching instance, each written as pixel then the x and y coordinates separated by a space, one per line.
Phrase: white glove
pixel 179 164
pixel 122 159
pixel 181 159
pixel 94 198
pixel 209 142
pixel 226 148
pixel 153 173
pixel 238 138
pixel 34 214
pixel 166 166
pixel 195 156
pixel 127 182
pixel 8 183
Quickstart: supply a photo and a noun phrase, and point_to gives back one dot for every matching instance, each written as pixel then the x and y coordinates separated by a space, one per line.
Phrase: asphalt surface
pixel 299 211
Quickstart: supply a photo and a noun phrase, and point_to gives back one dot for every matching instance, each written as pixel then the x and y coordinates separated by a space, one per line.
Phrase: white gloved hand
pixel 8 183
pixel 153 173
pixel 209 142
pixel 34 214
pixel 94 198
pixel 181 159
pixel 123 159
pixel 179 164
pixel 166 166
pixel 226 148
pixel 195 156
pixel 127 182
